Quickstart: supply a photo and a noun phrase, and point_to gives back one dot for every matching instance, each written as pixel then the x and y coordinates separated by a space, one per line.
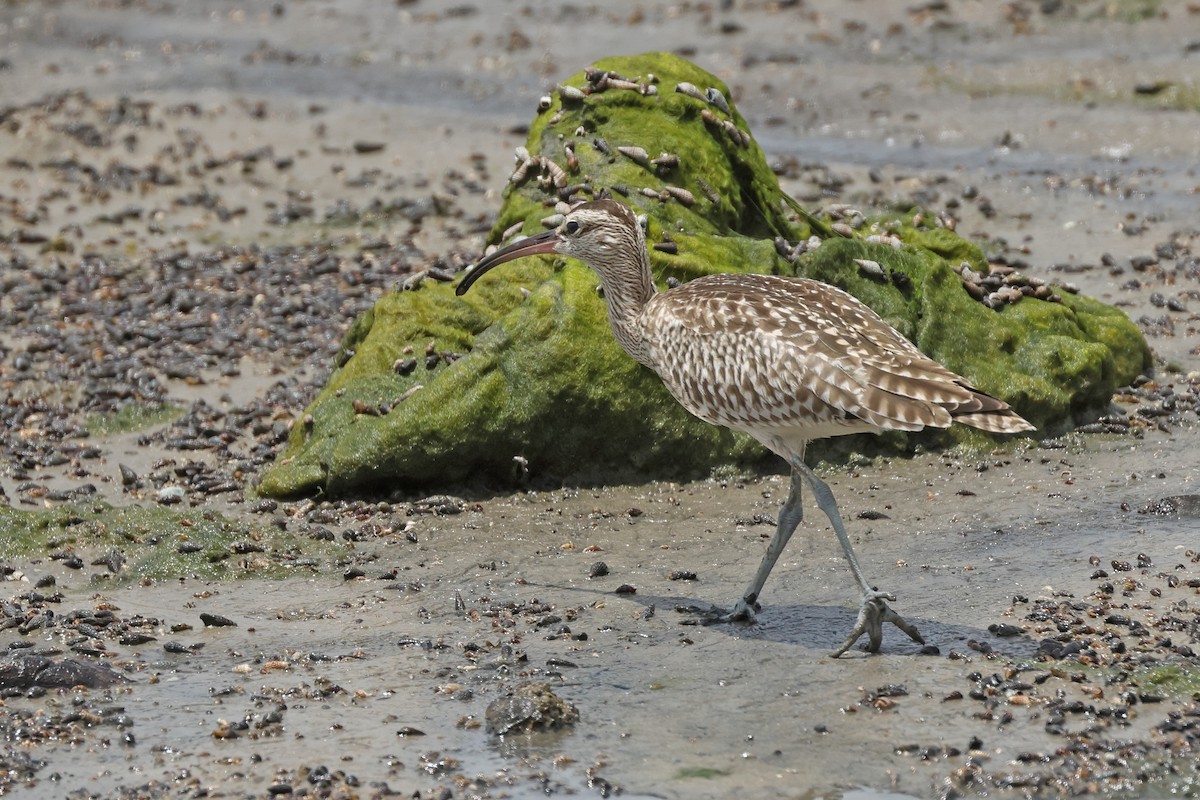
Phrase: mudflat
pixel 197 199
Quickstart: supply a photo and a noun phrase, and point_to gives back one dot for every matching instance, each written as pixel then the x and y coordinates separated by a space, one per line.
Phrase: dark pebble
pixel 113 560
pixel 682 575
pixel 1004 630
pixel 216 621
pixel 408 730
pixel 128 476
pixel 134 639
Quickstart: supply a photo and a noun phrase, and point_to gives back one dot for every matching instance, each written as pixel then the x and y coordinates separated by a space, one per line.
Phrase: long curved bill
pixel 534 245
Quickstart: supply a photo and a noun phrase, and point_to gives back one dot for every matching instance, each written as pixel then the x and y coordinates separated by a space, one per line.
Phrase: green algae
pixel 132 417
pixel 523 377
pixel 700 773
pixel 1130 11
pixel 1171 679
pixel 156 543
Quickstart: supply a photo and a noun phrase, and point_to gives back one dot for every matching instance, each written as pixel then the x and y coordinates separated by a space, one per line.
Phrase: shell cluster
pixel 565 179
pixel 1003 286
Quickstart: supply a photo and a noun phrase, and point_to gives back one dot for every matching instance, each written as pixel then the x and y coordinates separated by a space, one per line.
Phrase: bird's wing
pixel 745 350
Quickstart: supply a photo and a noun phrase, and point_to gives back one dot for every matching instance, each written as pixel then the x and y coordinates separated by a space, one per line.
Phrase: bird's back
pixel 767 353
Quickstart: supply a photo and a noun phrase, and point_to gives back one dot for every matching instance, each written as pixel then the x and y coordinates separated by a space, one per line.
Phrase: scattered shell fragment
pixel 714 96
pixel 709 191
pixel 871 269
pixel 568 193
pixel 635 153
pixel 522 170
pixel 570 93
pixel 665 162
pixel 690 90
pixel 552 173
pixel 602 80
pixel 736 134
pixel 681 194
pixel 892 241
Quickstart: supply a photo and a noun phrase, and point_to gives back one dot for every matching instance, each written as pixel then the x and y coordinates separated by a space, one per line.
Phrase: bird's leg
pixel 874 610
pixel 790 517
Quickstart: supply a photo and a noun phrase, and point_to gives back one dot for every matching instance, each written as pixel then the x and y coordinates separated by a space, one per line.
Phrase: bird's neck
pixel 626 296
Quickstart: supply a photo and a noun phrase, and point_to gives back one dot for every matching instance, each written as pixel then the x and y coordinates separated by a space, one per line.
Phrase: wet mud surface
pixel 196 202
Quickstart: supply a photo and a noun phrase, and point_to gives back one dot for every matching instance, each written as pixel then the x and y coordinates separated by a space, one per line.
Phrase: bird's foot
pixel 743 611
pixel 873 612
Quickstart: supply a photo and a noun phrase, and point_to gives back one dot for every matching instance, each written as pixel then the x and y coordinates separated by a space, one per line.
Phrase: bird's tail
pixel 989 414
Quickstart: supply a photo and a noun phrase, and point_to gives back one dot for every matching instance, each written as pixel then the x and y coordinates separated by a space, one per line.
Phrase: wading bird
pixel 786 360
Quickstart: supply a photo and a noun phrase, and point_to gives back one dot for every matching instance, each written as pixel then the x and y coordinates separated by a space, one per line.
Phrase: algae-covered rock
pixel 523 373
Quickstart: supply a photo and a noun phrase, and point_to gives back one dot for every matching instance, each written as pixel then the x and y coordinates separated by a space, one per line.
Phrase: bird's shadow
pixel 824 628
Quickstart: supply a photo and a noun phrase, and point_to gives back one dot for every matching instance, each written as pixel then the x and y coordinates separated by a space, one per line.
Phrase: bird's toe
pixel 742 611
pixel 872 614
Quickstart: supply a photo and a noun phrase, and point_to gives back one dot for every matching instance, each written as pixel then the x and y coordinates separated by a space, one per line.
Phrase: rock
pixel 529 708
pixel 1184 505
pixel 24 672
pixel 542 379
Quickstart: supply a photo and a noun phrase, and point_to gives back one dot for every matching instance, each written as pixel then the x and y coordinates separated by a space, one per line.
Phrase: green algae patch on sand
pixel 133 417
pixel 700 773
pixel 522 376
pixel 150 543
pixel 1172 679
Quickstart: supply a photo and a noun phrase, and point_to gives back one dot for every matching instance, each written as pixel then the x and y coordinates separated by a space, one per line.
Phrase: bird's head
pixel 603 234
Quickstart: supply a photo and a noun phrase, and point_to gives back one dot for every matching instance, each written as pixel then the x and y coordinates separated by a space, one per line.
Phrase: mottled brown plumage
pixel 786 360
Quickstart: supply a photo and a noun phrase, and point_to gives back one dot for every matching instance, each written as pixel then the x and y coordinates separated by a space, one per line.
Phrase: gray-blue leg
pixel 874 610
pixel 790 517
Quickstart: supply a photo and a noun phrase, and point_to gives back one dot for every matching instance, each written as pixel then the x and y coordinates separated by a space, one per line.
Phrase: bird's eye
pixel 571 228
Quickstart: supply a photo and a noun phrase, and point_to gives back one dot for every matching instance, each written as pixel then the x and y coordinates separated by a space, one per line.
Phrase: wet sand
pixel 1063 140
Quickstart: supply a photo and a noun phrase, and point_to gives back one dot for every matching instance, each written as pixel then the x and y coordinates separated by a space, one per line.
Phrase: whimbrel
pixel 786 360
